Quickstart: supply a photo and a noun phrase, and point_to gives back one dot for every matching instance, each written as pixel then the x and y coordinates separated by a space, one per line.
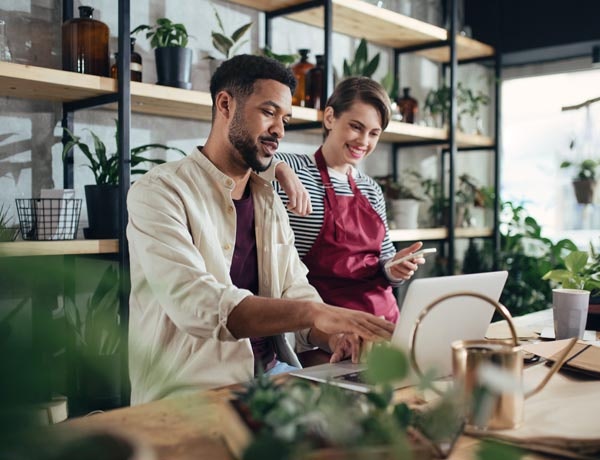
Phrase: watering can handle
pixel 555 367
pixel 413 335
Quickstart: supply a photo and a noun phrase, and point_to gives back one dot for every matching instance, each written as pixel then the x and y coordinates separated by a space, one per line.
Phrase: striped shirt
pixel 307 228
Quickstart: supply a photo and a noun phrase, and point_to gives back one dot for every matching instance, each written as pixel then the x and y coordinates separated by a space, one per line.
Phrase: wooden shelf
pixel 406 132
pixel 57 248
pixel 30 82
pixel 359 19
pixel 432 234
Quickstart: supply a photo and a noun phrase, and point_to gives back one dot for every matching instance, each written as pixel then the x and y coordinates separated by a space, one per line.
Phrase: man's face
pixel 258 123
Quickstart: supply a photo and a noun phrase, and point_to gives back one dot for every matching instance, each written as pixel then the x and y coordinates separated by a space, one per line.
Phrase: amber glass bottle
pixel 85 44
pixel 135 64
pixel 299 69
pixel 407 106
pixel 315 87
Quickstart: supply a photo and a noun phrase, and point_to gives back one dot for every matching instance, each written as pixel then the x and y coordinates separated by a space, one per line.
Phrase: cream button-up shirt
pixel 181 237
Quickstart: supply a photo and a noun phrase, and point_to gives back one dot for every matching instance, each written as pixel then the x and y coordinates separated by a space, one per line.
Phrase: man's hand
pixel 405 270
pixel 335 320
pixel 343 346
pixel 299 199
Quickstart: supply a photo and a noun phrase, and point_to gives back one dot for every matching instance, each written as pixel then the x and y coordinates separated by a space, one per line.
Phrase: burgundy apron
pixel 343 263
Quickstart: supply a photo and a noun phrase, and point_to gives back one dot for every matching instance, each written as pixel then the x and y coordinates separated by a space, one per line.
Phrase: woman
pixel 345 241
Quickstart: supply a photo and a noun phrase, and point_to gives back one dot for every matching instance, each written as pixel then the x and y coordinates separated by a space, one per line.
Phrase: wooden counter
pixel 188 427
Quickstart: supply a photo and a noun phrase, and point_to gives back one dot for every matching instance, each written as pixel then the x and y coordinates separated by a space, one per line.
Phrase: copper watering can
pixel 470 361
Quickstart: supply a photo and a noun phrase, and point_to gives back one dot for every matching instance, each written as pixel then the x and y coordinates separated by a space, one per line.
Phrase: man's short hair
pixel 238 75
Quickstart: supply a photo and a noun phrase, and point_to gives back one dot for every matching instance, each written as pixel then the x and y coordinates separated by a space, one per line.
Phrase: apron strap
pixel 330 197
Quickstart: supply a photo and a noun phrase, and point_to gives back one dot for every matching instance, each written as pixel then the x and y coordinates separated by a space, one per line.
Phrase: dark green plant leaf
pixel 371 67
pixel 240 32
pixel 360 55
pixel 222 43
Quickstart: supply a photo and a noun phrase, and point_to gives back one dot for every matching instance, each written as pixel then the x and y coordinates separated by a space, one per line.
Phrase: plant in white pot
pixel 173 59
pixel 581 270
pixel 584 181
pixel 404 198
pixel 102 198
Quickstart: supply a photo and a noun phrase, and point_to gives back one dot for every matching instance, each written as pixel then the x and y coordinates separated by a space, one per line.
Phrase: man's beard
pixel 245 145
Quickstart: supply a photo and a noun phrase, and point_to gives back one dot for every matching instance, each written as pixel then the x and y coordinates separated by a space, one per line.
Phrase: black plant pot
pixel 584 190
pixel 174 66
pixel 103 211
pixel 593 317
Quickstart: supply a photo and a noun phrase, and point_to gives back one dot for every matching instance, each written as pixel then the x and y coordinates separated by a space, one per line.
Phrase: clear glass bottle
pixel 299 70
pixel 408 106
pixel 85 44
pixel 135 64
pixel 315 89
pixel 5 54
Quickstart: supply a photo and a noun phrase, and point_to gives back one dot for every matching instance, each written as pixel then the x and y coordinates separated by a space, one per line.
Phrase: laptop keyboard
pixel 357 377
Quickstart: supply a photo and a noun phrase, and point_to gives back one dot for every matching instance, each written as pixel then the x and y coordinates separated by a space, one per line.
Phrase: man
pixel 216 280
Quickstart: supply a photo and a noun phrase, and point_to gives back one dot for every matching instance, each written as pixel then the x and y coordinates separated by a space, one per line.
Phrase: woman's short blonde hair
pixel 361 89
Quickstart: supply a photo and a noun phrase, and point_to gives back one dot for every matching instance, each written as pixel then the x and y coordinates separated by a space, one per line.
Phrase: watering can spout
pixel 554 369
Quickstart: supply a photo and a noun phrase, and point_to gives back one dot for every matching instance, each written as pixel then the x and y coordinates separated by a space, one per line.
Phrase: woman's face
pixel 352 136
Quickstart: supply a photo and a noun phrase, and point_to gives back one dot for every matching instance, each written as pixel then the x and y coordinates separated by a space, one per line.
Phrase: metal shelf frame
pixel 448 153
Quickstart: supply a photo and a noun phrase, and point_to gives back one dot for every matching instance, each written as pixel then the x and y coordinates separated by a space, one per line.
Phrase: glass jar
pixel 5 54
pixel 299 70
pixel 408 106
pixel 315 88
pixel 85 44
pixel 135 65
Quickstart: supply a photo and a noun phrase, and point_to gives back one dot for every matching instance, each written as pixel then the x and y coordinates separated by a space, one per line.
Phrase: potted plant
pixel 226 44
pixel 173 59
pixel 95 326
pixel 470 195
pixel 361 65
pixel 7 232
pixel 581 271
pixel 584 181
pixel 102 198
pixel 437 105
pixel 404 198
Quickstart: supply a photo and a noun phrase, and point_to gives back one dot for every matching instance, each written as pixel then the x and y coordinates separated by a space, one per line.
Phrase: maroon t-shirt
pixel 244 274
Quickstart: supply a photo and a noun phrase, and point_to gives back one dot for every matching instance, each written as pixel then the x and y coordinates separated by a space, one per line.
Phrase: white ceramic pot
pixel 405 213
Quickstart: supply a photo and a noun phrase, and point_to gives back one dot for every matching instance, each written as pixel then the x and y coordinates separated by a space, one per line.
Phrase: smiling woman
pixel 345 241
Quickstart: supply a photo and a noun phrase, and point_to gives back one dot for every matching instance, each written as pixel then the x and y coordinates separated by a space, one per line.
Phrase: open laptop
pixel 460 318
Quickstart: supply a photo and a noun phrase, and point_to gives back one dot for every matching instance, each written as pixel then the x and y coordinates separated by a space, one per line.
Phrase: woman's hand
pixel 407 269
pixel 299 199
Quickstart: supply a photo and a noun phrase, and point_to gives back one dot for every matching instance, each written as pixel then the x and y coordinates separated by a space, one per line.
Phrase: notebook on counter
pixel 461 318
pixel 584 357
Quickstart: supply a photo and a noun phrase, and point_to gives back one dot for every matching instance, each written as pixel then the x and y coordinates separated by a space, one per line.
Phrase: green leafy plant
pixel 526 254
pixel 7 232
pixel 391 85
pixel 105 166
pixel 584 170
pixel 361 65
pixel 407 187
pixel 285 59
pixel 228 44
pixel 437 101
pixel 164 34
pixel 96 326
pixel 579 272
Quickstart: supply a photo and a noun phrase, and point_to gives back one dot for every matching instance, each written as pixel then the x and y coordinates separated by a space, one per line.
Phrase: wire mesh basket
pixel 48 218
